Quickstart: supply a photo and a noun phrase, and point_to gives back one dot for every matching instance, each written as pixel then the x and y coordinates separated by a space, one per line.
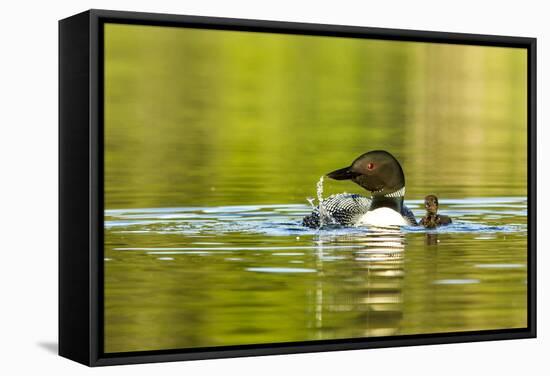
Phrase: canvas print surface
pixel 226 158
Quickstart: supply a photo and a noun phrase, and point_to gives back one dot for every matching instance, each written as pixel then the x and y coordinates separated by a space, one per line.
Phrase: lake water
pixel 209 276
pixel 214 141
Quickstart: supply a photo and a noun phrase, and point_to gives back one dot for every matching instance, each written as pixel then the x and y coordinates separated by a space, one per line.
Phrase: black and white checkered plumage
pixel 345 209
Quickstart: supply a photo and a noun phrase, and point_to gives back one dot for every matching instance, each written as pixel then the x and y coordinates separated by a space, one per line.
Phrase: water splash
pixel 320 188
pixel 322 209
pixel 324 216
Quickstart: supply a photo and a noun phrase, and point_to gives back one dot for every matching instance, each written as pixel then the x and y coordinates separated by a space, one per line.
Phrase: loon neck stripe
pixel 398 193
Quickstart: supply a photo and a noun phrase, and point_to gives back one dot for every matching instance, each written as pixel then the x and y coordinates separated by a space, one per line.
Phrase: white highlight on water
pixel 281 270
pixel 169 250
pixel 455 281
pixel 499 266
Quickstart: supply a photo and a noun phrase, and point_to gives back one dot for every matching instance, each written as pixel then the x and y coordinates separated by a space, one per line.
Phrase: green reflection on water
pixel 209 118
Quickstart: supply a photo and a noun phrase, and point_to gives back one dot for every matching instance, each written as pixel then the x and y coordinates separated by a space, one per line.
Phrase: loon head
pixel 432 204
pixel 377 171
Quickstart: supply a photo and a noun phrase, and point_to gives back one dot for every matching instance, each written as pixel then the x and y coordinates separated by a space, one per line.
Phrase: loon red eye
pixel 370 166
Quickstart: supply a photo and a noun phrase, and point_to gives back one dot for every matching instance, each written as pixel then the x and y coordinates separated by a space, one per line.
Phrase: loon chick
pixel 378 172
pixel 432 219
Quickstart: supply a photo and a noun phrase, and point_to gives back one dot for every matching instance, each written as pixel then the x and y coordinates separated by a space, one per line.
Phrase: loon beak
pixel 343 174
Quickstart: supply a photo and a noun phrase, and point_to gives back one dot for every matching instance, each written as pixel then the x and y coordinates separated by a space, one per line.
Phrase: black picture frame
pixel 81 186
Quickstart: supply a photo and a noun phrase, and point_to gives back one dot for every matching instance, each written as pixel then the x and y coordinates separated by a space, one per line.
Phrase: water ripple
pixel 473 215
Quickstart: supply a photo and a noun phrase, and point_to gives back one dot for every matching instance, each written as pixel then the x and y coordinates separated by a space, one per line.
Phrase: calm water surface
pixel 215 139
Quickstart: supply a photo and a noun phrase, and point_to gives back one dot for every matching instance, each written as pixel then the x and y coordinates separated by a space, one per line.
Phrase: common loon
pixel 432 219
pixel 378 172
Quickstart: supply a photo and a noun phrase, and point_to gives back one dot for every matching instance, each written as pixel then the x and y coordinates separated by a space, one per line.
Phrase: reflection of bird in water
pixel 431 238
pixel 369 290
pixel 377 241
pixel 381 297
pixel 432 219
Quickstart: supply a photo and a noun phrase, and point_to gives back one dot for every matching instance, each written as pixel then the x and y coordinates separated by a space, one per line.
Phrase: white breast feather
pixel 381 217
